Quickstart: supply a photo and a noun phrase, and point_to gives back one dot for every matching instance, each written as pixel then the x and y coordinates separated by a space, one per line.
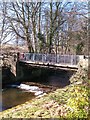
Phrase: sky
pixel 43 0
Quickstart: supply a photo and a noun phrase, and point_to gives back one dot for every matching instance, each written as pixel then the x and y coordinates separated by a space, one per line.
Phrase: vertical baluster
pixel 68 59
pixel 64 58
pixel 75 60
pixel 40 58
pixel 33 56
pixel 29 56
pixel 57 59
pixel 26 56
pixel 37 57
pixel 51 58
pixel 43 58
pixel 71 59
pixel 74 63
pixel 46 58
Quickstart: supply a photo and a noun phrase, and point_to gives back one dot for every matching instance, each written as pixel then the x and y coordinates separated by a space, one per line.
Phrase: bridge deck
pixel 51 65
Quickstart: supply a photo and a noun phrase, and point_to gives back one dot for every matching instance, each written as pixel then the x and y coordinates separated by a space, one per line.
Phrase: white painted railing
pixel 50 58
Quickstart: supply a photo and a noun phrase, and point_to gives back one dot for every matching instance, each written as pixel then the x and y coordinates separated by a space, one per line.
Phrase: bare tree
pixel 4 31
pixel 46 27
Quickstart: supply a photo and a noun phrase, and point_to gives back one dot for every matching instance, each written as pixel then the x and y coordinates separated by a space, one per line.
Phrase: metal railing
pixel 50 58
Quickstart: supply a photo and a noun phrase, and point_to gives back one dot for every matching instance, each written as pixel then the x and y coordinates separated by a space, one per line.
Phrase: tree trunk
pixel 50 39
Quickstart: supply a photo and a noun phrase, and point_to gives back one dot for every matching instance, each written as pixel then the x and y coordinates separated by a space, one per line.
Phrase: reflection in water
pixel 13 96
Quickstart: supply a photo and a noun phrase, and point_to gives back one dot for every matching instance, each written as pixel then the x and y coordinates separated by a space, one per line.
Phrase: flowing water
pixel 13 96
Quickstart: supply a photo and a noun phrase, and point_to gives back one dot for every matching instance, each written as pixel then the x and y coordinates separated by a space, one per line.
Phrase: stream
pixel 14 95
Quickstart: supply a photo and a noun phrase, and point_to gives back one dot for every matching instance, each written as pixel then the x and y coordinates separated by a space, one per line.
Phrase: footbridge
pixel 50 60
pixel 29 65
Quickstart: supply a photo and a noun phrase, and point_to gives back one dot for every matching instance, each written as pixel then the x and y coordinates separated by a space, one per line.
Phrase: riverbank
pixel 71 101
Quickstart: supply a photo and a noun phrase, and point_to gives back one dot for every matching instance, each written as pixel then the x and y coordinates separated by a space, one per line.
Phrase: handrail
pixel 50 58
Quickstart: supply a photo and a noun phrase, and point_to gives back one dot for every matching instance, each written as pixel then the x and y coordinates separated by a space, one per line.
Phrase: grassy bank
pixel 70 102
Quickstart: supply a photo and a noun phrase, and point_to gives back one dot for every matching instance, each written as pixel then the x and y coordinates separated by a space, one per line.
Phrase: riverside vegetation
pixel 71 101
